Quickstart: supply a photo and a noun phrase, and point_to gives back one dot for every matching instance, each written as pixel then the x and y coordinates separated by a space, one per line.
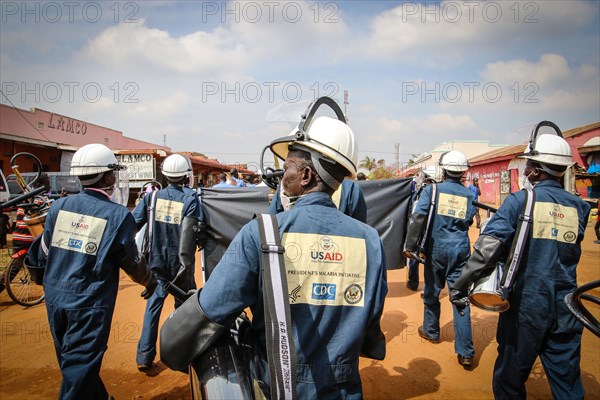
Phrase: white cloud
pixel 548 84
pixel 429 128
pixel 135 46
pixel 450 32
pixel 280 35
pixel 549 69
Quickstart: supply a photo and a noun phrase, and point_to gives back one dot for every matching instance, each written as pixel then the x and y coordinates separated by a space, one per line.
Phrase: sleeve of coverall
pixel 140 213
pixel 422 206
pixel 127 255
pixel 374 340
pixel 358 204
pixel 223 298
pixel 503 223
pixel 491 246
pixel 193 208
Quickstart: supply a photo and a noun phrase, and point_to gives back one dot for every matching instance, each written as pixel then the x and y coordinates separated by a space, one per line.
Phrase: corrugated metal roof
pixel 511 151
pixel 212 163
pixel 581 129
pixel 508 151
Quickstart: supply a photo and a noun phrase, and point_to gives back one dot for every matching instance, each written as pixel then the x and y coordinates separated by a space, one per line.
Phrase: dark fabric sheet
pixel 227 210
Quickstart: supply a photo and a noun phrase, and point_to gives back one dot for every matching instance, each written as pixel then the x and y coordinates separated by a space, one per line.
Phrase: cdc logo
pixel 323 291
pixel 75 244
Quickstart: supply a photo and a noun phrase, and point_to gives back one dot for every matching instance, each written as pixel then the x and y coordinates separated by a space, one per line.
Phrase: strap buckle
pixel 272 248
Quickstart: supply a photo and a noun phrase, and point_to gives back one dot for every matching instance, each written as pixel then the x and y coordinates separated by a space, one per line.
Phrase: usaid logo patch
pixel 323 291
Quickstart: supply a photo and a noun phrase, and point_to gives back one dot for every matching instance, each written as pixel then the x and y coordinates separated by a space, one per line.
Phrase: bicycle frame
pixel 18 283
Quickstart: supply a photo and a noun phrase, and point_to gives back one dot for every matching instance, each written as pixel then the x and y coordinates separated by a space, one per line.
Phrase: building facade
pixel 501 173
pixel 54 138
pixel 470 148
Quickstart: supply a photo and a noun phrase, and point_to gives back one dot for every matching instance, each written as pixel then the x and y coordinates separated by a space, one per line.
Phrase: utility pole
pixel 164 140
pixel 346 104
pixel 398 155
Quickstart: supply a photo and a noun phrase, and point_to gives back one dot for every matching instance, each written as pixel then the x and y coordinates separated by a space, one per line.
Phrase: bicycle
pixel 17 280
pixel 19 286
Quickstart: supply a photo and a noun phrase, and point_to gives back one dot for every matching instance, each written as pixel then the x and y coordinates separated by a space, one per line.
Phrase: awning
pixel 590 146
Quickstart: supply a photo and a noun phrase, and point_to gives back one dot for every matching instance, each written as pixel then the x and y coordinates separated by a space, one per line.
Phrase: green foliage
pixel 377 168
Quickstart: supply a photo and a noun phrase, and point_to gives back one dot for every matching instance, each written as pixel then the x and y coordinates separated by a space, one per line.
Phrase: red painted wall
pixel 489 180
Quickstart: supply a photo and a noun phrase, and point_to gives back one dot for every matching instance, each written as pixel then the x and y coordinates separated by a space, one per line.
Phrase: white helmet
pixel 93 159
pixel 430 172
pixel 332 139
pixel 454 162
pixel 549 149
pixel 176 166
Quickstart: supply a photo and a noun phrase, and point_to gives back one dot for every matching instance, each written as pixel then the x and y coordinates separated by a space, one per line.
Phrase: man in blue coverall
pixel 329 333
pixel 173 246
pixel 447 248
pixel 538 322
pixel 86 238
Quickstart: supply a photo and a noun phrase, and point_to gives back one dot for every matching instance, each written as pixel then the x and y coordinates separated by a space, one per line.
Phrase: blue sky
pixel 205 74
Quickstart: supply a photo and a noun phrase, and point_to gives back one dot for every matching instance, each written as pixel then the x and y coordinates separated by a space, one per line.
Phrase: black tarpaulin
pixel 227 210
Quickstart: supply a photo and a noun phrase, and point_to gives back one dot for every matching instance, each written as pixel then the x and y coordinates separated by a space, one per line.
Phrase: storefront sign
pixel 140 167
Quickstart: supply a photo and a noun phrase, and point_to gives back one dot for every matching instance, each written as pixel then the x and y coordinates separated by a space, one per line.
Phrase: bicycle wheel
pixel 19 286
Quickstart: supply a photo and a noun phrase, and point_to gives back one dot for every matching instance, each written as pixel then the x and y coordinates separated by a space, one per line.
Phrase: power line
pixel 381 152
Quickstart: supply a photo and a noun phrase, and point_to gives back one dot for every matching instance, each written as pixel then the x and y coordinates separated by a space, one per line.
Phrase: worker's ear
pixel 307 176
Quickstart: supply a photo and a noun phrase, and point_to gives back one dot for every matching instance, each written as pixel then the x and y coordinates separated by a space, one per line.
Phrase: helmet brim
pixel 281 148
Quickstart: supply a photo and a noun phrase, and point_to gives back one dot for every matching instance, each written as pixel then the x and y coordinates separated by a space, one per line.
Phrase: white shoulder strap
pixel 518 245
pixel 281 353
pixel 150 222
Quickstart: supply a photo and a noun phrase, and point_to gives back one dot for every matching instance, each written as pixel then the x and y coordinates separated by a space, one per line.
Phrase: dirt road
pixel 413 367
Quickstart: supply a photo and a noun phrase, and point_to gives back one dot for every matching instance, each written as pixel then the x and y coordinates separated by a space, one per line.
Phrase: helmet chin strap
pixel 550 171
pixel 108 189
pixel 325 176
pixel 93 180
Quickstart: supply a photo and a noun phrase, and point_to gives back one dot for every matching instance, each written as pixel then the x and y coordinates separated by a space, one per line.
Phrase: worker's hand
pixel 460 300
pixel 149 291
pixel 414 255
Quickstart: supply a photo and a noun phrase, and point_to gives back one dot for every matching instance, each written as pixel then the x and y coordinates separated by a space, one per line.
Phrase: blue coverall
pixel 88 238
pixel 448 249
pixel 538 323
pixel 351 201
pixel 329 332
pixel 173 203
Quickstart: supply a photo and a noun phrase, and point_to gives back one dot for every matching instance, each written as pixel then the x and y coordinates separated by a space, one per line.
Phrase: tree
pixel 368 163
pixel 377 168
pixel 383 172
